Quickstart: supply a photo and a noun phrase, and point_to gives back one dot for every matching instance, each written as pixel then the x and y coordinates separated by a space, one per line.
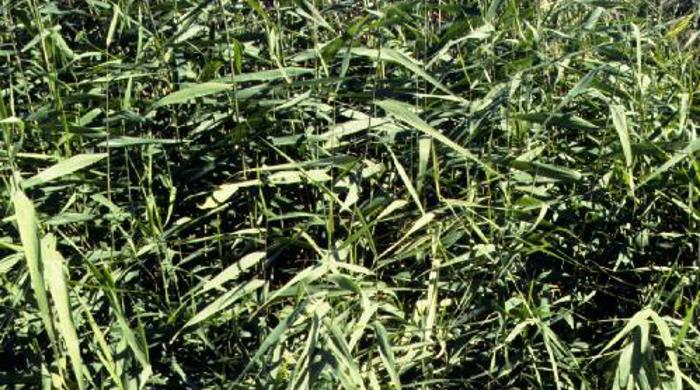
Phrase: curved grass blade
pixel 27 224
pixel 274 336
pixel 224 301
pixel 391 55
pixel 267 75
pixel 225 192
pixel 63 168
pixel 53 270
pixel 233 271
pixel 407 181
pixel 402 112
pixel 692 147
pixel 192 92
pixel 566 121
pixel 547 170
pixel 126 141
pixel 620 123
pixel 387 354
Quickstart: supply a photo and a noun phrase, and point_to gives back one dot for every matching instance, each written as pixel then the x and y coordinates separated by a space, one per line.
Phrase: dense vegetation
pixel 324 194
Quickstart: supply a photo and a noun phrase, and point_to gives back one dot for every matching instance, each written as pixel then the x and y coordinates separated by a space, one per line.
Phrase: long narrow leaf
pixel 53 269
pixel 63 168
pixel 403 113
pixel 27 224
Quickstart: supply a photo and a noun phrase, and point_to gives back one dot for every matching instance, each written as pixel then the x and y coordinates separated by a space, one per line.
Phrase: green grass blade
pixel 387 354
pixel 233 271
pixel 566 121
pixel 224 301
pixel 63 168
pixel 267 75
pixel 403 113
pixel 391 55
pixel 53 270
pixel 692 147
pixel 638 319
pixel 547 170
pixel 192 92
pixel 406 181
pixel 273 337
pixel 620 123
pixel 27 224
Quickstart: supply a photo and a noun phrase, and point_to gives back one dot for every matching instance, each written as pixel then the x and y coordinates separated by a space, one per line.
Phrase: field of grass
pixel 350 194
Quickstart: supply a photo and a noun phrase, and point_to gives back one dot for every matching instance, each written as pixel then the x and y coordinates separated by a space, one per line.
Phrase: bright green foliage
pixel 325 194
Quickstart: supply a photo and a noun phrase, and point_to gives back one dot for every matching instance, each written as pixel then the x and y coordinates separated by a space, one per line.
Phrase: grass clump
pixel 358 195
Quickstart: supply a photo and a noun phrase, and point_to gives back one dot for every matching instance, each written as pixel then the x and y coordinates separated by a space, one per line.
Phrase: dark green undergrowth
pixel 323 194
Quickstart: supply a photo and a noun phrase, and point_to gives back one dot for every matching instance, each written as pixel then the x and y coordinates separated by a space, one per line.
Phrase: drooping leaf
pixel 225 192
pixel 391 55
pixel 192 92
pixel 126 141
pixel 620 123
pixel 28 226
pixel 567 121
pixel 56 279
pixel 63 168
pixel 547 170
pixel 233 271
pixel 225 300
pixel 387 354
pixel 693 147
pixel 403 113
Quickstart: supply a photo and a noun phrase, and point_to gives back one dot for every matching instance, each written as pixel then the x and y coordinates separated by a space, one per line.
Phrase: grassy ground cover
pixel 327 194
